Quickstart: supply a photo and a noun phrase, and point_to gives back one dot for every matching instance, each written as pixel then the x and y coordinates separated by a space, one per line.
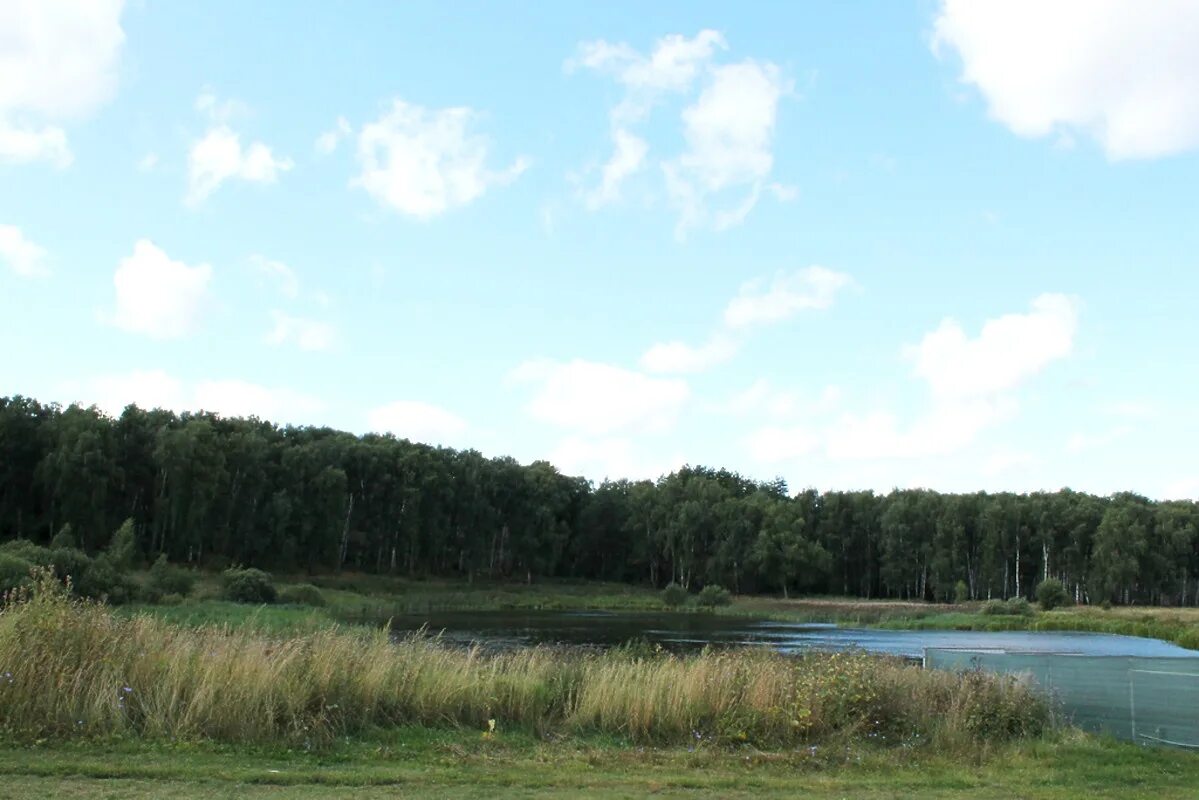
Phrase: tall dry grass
pixel 72 668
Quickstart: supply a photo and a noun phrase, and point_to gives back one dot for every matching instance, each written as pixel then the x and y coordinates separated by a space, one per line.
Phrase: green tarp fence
pixel 1144 700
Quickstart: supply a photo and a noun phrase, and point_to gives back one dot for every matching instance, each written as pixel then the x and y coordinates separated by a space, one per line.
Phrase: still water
pixel 692 631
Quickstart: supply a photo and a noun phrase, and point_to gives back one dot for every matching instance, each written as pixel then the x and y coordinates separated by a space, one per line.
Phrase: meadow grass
pixel 421 761
pixel 69 668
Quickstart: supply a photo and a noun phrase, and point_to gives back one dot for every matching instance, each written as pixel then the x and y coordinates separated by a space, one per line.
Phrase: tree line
pixel 213 491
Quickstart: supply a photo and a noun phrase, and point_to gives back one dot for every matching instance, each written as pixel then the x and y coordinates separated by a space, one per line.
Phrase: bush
pixel 994 608
pixel 171 600
pixel 103 581
pixel 64 538
pixel 713 595
pixel 27 551
pixel 14 572
pixel 247 585
pixel 1018 606
pixel 961 592
pixel 674 595
pixel 301 594
pixel 165 579
pixel 122 548
pixel 1051 594
pixel 69 561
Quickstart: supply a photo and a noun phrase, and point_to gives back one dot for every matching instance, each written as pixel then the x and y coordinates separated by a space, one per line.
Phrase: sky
pixel 909 243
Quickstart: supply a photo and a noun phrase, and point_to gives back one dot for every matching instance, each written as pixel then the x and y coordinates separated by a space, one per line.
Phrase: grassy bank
pixel 1180 626
pixel 74 669
pixel 424 762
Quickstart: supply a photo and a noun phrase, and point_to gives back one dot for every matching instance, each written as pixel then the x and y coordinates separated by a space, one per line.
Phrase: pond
pixel 680 631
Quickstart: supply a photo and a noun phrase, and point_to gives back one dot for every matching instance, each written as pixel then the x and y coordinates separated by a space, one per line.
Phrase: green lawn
pixel 419 762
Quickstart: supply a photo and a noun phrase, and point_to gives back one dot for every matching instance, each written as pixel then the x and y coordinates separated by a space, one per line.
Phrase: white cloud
pixel 1182 489
pixel 1008 350
pixel 628 157
pixel 278 272
pixel 230 398
pixel 809 288
pixel 789 293
pixel 235 398
pixel 147 388
pixel 1006 461
pixel 219 157
pixel 328 141
pixel 1121 71
pixel 611 457
pixel 22 256
pixel 728 129
pixel 306 334
pixel 423 162
pixel 1080 442
pixel 419 422
pixel 762 399
pixel 598 399
pixel 946 428
pixel 157 296
pixel 729 132
pixel 682 357
pixel 147 162
pixel 59 62
pixel 774 444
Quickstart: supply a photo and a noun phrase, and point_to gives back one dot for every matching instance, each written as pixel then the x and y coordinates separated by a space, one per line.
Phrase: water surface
pixel 678 631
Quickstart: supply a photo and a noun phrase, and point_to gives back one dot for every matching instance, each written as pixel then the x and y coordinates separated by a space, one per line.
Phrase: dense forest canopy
pixel 214 491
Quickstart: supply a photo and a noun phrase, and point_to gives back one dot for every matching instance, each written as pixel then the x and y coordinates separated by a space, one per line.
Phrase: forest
pixel 212 492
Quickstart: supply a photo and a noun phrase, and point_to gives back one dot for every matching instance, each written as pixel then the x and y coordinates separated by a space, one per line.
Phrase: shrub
pixel 70 561
pixel 674 595
pixel 1018 606
pixel 14 572
pixel 64 538
pixel 994 608
pixel 301 594
pixel 122 548
pixel 961 592
pixel 247 585
pixel 79 670
pixel 1051 594
pixel 103 581
pixel 27 551
pixel 165 578
pixel 171 600
pixel 712 595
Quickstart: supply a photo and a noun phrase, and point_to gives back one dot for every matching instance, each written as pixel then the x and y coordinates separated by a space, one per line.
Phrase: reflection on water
pixel 678 631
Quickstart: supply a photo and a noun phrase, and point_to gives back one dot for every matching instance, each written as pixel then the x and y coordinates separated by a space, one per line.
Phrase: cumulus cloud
pixel 328 141
pixel 609 457
pixel 423 162
pixel 283 276
pixel 729 132
pixel 756 304
pixel 728 128
pixel 1123 72
pixel 304 333
pixel 597 399
pixel 682 357
pixel 21 255
pixel 788 293
pixel 1008 349
pixel 972 385
pixel 226 397
pixel 417 421
pixel 59 62
pixel 157 296
pixel 219 155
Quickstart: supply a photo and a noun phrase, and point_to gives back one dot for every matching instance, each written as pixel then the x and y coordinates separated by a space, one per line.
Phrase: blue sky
pixel 893 244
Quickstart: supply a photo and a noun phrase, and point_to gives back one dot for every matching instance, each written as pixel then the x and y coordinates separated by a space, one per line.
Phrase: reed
pixel 72 668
